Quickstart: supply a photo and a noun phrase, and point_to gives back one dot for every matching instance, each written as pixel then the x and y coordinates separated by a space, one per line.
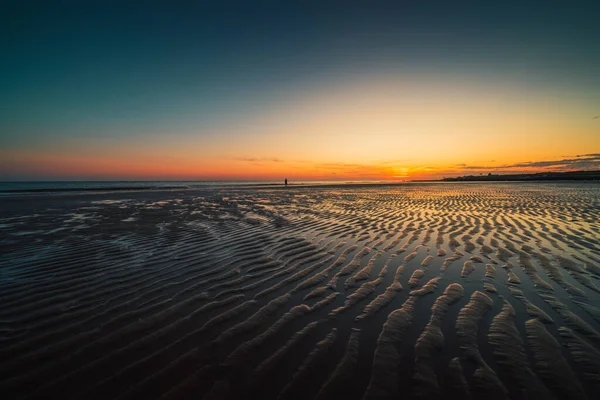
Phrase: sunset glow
pixel 412 112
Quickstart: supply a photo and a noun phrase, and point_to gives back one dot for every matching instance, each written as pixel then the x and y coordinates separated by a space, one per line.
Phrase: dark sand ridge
pixel 189 293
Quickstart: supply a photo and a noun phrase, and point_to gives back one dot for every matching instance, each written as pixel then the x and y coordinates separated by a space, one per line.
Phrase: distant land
pixel 540 176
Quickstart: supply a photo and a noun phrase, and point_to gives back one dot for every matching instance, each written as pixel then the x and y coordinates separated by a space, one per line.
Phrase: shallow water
pixel 191 293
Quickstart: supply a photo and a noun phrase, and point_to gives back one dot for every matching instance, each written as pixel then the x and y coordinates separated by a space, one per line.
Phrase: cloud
pixel 583 161
pixel 588 155
pixel 465 166
pixel 259 159
pixel 355 171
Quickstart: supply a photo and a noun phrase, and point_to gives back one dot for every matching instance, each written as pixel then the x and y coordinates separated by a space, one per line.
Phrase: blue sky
pixel 119 70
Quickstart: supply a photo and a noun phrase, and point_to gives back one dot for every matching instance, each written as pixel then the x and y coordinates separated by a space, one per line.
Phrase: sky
pixel 303 90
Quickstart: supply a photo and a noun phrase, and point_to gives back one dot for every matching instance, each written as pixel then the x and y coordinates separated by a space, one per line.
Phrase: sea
pixel 24 187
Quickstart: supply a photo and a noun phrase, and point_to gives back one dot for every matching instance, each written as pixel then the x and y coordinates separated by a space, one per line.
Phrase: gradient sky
pixel 318 90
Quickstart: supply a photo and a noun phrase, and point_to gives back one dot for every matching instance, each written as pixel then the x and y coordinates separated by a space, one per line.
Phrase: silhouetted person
pixel 285 181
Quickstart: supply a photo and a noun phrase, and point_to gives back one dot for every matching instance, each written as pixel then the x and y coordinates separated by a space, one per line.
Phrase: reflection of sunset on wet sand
pixel 348 291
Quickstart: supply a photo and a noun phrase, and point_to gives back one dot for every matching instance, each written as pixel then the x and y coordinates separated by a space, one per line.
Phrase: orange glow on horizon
pixel 386 128
pixel 84 167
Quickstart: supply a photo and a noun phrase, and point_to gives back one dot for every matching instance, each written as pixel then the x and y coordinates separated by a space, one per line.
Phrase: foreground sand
pixel 417 291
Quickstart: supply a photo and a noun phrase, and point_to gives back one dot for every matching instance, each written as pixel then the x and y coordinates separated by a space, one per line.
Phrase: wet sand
pixel 419 291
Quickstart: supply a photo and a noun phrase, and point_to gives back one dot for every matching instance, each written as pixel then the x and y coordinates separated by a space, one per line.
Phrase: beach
pixel 418 291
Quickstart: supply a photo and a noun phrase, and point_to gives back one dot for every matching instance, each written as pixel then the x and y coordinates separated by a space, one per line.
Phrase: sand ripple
pixel 299 293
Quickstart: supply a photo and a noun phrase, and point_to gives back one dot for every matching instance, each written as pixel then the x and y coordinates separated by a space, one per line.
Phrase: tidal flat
pixel 416 291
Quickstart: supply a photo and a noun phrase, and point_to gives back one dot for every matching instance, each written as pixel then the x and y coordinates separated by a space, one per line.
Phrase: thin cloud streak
pixel 584 161
pixel 259 159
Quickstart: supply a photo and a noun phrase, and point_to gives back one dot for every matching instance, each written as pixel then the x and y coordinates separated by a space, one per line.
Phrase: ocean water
pixel 8 188
pixel 87 185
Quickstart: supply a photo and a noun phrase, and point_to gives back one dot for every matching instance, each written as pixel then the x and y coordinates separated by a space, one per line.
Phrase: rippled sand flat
pixel 418 291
